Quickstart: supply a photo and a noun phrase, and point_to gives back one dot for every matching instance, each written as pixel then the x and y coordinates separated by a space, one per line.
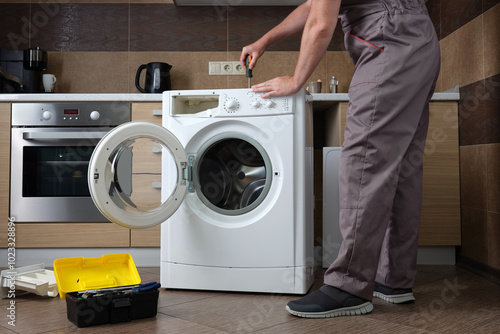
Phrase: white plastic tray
pixel 34 278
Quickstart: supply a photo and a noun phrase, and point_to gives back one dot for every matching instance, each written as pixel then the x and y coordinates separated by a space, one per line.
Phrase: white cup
pixel 49 81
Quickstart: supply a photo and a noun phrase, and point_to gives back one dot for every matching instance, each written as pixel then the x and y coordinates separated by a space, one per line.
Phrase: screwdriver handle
pixel 248 59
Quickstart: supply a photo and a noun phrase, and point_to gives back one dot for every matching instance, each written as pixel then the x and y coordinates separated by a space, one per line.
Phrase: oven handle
pixel 64 135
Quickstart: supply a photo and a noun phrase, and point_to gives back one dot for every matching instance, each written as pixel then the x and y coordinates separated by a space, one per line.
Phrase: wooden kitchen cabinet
pixel 147 175
pixel 49 235
pixel 148 112
pixel 149 237
pixel 5 168
pixel 76 235
pixel 71 235
pixel 440 221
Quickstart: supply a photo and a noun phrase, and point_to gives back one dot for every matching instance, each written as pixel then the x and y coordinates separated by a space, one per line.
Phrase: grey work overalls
pixel 396 54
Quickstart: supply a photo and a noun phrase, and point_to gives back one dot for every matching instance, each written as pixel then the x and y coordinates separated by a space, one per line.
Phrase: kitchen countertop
pixel 90 97
pixel 125 97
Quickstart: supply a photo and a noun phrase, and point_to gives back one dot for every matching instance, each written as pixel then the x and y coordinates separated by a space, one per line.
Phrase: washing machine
pixel 236 199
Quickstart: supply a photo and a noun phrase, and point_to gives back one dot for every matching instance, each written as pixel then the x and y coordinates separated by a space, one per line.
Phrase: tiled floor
pixel 449 300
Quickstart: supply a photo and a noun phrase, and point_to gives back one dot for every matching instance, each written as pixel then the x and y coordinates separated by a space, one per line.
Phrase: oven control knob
pixel 94 115
pixel 46 115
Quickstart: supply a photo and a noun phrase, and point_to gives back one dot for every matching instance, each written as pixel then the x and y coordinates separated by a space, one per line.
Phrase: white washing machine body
pixel 236 199
pixel 246 222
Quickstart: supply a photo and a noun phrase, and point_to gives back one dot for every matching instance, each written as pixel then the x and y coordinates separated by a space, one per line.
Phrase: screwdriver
pixel 248 59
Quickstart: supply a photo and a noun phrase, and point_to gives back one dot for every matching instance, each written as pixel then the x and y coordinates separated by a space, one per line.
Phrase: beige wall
pixel 472 52
pixel 471 59
pixel 114 72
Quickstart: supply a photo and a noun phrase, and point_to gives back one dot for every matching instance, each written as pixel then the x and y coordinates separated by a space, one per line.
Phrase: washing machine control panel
pixel 247 103
pixel 225 103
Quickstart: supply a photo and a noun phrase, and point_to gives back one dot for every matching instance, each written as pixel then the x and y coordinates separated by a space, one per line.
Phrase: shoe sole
pixel 353 310
pixel 404 298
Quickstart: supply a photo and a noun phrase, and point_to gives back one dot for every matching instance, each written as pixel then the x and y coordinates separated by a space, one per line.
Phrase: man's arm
pixel 318 32
pixel 291 25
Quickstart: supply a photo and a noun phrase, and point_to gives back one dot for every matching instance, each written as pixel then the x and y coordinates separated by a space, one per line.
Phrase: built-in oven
pixel 51 147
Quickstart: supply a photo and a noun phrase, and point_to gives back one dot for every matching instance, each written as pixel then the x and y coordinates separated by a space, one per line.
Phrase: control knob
pixel 95 115
pixel 270 104
pixel 231 105
pixel 46 115
pixel 256 104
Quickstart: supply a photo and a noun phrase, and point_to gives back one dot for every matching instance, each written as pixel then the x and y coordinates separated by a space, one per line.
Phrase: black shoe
pixel 396 296
pixel 329 302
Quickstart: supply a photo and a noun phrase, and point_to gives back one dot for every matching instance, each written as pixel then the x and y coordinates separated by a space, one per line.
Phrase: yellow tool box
pixel 105 289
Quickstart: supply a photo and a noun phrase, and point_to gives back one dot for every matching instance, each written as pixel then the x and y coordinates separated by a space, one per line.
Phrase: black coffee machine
pixel 21 71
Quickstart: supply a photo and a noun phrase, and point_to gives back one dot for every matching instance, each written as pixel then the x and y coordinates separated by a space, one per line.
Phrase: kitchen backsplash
pixel 97 47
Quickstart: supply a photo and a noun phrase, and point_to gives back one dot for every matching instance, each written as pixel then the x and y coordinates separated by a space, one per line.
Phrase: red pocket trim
pixel 362 40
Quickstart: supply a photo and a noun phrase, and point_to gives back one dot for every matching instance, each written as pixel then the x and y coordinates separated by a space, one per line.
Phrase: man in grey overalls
pixel 396 54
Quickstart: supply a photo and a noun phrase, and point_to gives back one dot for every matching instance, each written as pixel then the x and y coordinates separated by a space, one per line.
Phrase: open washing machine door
pixel 116 182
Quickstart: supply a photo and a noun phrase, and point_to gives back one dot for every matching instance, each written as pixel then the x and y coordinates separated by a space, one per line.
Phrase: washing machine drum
pixel 233 175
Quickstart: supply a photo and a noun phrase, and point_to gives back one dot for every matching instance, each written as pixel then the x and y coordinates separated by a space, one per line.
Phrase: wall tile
pixel 462 55
pixel 474 234
pixel 487 4
pixel 493 228
pixel 274 64
pixel 479 108
pixel 90 1
pixel 320 73
pixel 341 66
pixel 14 26
pixel 155 27
pixel 472 114
pixel 493 177
pixel 434 10
pixel 189 69
pixel 337 43
pixel 152 1
pixel 491 28
pixel 457 13
pixel 450 60
pixel 473 182
pixel 80 1
pixel 89 72
pixel 492 107
pixel 439 82
pixel 80 27
pixel 247 24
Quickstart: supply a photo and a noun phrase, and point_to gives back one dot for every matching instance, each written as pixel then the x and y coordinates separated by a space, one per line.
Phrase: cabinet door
pixel 149 112
pixel 146 238
pixel 5 168
pixel 74 235
pixel 440 222
pixel 148 158
pixel 151 173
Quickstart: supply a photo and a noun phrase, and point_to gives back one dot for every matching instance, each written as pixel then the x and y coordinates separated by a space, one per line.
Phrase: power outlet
pixel 238 69
pixel 225 68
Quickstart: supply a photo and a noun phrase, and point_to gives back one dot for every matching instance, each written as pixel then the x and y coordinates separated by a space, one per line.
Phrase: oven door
pixel 116 170
pixel 49 174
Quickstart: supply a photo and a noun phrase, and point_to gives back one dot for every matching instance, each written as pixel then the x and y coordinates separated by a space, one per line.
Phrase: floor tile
pixel 449 299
